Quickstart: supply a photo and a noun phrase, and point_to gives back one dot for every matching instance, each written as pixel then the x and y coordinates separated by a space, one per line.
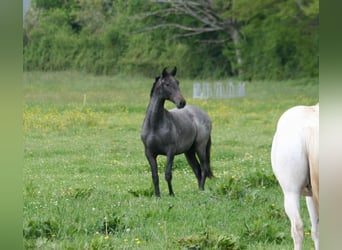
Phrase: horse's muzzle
pixel 181 103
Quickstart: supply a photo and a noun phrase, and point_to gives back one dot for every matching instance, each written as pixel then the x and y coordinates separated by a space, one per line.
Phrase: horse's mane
pixel 154 85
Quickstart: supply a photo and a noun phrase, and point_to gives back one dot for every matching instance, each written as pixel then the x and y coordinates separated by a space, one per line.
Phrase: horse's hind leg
pixel 314 220
pixel 203 153
pixel 292 209
pixel 193 162
pixel 204 168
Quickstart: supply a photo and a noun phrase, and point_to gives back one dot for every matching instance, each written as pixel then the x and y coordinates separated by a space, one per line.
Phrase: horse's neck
pixel 155 111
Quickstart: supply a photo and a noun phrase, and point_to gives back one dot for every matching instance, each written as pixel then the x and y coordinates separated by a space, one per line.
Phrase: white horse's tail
pixel 313 159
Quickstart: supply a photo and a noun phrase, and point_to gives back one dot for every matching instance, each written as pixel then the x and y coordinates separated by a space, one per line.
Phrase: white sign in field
pixel 218 90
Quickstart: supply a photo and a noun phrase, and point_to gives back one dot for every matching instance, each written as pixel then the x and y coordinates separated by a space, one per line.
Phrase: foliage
pixel 208 241
pixel 280 42
pixel 87 183
pixel 41 228
pixel 274 40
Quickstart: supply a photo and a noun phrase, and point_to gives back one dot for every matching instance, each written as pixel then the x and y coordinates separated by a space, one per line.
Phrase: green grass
pixel 87 183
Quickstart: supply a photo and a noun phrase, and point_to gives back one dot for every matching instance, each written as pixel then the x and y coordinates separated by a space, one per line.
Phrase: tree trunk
pixel 236 40
pixel 234 33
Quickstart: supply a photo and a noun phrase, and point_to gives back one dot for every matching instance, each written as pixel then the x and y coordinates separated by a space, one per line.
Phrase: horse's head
pixel 168 88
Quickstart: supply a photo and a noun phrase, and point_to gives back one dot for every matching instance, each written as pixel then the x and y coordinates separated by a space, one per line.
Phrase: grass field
pixel 87 183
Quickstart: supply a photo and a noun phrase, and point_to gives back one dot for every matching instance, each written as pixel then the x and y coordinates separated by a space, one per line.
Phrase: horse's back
pixel 199 118
pixel 295 148
pixel 298 118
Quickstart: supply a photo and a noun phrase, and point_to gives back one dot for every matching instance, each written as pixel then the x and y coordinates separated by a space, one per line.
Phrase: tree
pixel 260 38
pixel 280 39
pixel 212 22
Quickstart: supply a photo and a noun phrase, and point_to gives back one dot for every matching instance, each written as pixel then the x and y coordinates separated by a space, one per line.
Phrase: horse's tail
pixel 209 172
pixel 313 150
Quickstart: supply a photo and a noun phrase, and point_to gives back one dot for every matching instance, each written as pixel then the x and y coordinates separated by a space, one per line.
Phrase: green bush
pixel 208 240
pixel 41 228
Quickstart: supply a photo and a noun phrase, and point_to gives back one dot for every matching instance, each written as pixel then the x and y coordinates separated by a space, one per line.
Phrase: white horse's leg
pixel 292 209
pixel 314 221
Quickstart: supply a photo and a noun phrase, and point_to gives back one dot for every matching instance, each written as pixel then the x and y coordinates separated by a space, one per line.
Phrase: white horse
pixel 295 164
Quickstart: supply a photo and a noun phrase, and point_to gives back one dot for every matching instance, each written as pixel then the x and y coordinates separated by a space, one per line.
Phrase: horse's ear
pixel 174 71
pixel 164 73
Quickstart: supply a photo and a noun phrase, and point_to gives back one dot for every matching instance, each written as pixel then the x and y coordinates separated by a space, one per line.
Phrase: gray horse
pixel 172 132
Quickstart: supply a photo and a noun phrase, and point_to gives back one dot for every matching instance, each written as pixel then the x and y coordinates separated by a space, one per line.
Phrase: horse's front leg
pixel 168 172
pixel 152 159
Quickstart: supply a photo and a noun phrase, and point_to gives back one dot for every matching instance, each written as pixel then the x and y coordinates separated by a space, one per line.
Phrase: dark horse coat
pixel 171 132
